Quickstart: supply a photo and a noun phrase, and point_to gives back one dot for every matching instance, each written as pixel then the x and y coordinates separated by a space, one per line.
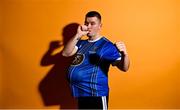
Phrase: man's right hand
pixel 82 31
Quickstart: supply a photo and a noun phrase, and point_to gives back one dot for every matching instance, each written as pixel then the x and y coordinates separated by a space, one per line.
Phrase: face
pixel 94 25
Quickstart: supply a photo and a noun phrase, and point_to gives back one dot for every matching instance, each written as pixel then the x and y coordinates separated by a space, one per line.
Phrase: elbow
pixel 124 69
pixel 66 54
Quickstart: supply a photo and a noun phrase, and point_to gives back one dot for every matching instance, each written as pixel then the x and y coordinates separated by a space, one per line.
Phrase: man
pixel 88 73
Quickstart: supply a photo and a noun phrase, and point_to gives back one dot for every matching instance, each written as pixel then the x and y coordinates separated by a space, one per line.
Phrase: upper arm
pixel 111 54
pixel 78 45
pixel 74 51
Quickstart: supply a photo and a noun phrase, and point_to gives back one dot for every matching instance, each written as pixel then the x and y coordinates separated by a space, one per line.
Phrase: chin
pixel 89 35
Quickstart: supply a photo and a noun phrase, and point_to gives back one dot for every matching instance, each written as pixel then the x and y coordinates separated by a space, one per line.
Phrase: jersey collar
pixel 95 39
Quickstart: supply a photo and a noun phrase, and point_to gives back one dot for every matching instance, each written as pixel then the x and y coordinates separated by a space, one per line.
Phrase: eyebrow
pixel 90 22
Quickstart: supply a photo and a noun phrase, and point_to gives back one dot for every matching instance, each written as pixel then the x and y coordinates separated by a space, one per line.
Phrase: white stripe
pixel 118 58
pixel 76 47
pixel 104 103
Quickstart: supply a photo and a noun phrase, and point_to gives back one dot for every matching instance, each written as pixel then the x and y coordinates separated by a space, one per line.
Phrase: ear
pixel 100 26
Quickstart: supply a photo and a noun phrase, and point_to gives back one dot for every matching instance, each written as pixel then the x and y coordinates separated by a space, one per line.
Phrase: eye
pixel 86 23
pixel 93 23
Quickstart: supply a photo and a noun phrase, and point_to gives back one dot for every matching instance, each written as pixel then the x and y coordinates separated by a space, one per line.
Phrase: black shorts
pixel 93 102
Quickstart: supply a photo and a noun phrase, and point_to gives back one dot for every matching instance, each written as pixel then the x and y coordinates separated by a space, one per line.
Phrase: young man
pixel 88 73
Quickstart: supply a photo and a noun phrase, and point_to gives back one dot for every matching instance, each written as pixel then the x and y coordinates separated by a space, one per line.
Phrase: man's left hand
pixel 121 47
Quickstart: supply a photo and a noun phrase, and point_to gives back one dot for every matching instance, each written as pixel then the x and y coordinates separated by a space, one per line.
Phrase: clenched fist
pixel 121 47
pixel 82 30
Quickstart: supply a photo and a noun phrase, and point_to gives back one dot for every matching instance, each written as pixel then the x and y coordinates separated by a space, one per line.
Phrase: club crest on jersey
pixel 78 59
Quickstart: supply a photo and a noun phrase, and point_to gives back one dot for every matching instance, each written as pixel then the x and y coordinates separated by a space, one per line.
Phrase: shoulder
pixel 109 47
pixel 83 40
pixel 80 42
pixel 108 43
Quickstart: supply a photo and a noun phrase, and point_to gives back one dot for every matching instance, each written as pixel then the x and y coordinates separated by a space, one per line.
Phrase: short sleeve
pixel 79 44
pixel 111 53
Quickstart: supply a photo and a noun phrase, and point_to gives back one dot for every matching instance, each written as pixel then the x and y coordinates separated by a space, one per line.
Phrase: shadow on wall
pixel 54 87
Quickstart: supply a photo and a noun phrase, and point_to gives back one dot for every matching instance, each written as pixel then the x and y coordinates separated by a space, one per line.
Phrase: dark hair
pixel 94 14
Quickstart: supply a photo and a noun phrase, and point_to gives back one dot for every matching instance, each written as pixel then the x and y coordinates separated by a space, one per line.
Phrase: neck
pixel 92 38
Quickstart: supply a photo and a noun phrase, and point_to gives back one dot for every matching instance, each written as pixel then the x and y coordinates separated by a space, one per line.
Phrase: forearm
pixel 69 48
pixel 124 63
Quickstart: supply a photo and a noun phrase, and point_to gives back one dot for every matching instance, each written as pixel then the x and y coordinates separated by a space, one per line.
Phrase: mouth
pixel 89 31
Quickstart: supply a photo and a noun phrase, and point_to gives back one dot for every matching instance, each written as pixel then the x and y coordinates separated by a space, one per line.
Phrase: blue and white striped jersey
pixel 88 73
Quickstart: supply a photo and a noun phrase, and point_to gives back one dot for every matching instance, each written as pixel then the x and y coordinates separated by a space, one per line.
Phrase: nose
pixel 89 25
